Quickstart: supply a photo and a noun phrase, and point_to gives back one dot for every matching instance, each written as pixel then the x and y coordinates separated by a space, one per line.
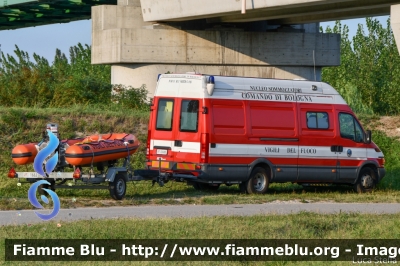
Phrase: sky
pixel 44 40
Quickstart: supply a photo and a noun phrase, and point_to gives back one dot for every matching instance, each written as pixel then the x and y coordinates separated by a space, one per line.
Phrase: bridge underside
pixel 16 14
pixel 275 11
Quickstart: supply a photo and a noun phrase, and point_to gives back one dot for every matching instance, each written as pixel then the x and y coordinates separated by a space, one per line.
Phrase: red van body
pixel 252 131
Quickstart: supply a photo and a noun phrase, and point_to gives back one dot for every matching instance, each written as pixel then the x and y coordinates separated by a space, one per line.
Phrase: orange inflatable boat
pixel 26 153
pixel 99 148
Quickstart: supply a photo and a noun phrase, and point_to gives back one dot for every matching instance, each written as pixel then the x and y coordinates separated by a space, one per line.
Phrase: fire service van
pixel 213 130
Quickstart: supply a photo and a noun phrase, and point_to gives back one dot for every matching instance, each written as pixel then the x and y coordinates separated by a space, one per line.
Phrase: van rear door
pixel 176 136
pixel 186 146
pixel 162 134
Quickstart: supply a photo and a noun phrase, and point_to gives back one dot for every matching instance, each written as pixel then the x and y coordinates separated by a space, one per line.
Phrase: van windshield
pixel 189 115
pixel 164 114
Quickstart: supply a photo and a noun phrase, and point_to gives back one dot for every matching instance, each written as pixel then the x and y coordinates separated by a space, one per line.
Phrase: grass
pixel 142 193
pixel 304 225
pixel 20 125
pixel 295 226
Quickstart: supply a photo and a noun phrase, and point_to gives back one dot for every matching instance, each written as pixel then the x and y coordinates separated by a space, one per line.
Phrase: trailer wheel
pixel 118 187
pixel 366 180
pixel 258 182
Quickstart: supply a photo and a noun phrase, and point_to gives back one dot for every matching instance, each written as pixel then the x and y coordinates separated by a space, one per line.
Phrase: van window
pixel 189 116
pixel 318 120
pixel 164 114
pixel 350 128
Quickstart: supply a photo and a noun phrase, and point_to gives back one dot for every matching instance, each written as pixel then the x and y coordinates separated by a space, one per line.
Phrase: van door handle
pixel 336 148
pixel 178 143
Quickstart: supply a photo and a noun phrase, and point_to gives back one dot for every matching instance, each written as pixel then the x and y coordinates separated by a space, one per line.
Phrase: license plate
pixel 29 175
pixel 64 175
pixel 162 152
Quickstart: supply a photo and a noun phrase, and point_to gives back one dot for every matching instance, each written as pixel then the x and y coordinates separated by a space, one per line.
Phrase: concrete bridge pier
pixel 395 23
pixel 138 51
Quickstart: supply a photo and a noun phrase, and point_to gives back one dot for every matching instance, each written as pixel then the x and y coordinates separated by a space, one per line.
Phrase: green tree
pixel 37 83
pixel 368 77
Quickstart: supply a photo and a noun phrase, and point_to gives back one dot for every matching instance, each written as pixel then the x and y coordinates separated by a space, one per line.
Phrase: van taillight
pixel 148 144
pixel 204 148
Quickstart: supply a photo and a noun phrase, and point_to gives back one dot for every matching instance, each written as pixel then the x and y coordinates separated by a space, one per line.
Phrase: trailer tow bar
pixel 159 179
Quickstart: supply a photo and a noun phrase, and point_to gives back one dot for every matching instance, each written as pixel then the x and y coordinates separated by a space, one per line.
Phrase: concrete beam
pixel 129 3
pixel 332 15
pixel 107 23
pixel 117 17
pixel 395 23
pixel 215 47
pixel 308 14
pixel 230 10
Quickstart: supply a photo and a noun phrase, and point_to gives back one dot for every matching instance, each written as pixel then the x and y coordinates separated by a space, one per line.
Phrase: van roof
pixel 194 85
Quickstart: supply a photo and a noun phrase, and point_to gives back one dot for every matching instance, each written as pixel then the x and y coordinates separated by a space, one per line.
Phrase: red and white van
pixel 213 130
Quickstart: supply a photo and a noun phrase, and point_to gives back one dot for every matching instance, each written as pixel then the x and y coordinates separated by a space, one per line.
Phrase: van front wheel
pixel 366 181
pixel 258 182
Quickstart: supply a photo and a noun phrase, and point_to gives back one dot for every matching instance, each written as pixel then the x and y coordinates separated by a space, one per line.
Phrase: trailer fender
pixel 114 171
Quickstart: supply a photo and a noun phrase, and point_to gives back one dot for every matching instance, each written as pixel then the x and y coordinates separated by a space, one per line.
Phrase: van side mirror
pixel 367 137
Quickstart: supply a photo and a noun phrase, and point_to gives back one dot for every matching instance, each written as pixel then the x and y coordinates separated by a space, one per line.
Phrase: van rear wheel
pixel 366 180
pixel 258 182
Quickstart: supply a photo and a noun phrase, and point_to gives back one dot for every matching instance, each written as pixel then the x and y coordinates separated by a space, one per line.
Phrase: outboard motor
pixel 60 149
pixel 53 128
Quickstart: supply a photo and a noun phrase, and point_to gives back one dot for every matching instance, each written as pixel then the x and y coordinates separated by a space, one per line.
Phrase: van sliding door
pixel 317 160
pixel 273 135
